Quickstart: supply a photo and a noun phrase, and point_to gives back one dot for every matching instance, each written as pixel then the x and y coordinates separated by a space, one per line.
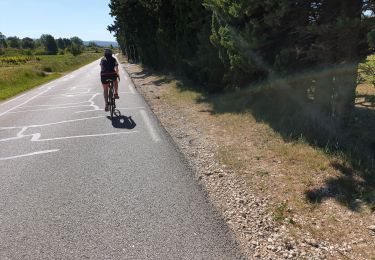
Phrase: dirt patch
pixel 259 182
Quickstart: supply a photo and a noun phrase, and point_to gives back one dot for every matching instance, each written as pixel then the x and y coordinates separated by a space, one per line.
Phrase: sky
pixel 87 19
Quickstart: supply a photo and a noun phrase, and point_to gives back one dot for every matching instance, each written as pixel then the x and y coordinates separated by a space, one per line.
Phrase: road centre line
pixel 27 155
pixel 155 137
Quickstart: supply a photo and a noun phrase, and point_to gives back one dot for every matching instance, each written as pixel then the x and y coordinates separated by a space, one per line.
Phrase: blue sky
pixel 87 19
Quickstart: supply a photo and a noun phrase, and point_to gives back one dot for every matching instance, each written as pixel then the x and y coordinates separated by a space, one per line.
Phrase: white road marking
pixel 27 155
pixel 127 78
pixel 35 138
pixel 132 90
pixel 70 95
pixel 12 100
pixel 45 109
pixel 68 77
pixel 87 111
pixel 91 100
pixel 24 128
pixel 155 137
pixel 126 92
pixel 58 105
pixel 27 101
pixel 55 123
pixel 129 108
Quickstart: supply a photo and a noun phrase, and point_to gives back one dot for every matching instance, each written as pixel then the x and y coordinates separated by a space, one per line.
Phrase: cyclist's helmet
pixel 107 52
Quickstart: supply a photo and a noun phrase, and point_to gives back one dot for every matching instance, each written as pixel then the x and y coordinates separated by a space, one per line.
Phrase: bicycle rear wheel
pixel 112 107
pixel 111 101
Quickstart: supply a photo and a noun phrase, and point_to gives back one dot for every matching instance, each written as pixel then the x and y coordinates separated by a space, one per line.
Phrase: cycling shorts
pixel 108 75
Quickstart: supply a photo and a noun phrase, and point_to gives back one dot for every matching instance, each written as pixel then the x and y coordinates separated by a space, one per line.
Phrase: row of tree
pixel 46 41
pixel 236 43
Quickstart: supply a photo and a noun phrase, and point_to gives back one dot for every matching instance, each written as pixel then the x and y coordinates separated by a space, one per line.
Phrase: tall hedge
pixel 236 43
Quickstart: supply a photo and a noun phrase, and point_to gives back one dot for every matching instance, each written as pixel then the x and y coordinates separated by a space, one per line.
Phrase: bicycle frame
pixel 111 98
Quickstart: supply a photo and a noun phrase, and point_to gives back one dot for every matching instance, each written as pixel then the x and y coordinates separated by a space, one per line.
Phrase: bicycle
pixel 111 98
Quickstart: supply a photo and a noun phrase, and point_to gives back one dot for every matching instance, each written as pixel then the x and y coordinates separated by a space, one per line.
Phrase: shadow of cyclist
pixel 123 122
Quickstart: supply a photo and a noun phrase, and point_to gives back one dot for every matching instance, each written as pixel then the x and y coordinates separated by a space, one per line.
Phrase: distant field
pixel 21 72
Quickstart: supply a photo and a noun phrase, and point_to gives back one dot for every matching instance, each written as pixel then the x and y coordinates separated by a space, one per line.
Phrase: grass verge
pixel 316 187
pixel 19 78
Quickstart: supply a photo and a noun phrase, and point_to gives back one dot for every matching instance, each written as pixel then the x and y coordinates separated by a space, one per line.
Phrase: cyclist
pixel 109 70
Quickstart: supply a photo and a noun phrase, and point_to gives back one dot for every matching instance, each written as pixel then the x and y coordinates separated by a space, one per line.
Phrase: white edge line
pixel 27 155
pixel 155 137
pixel 41 93
pixel 13 99
pixel 128 78
pixel 132 90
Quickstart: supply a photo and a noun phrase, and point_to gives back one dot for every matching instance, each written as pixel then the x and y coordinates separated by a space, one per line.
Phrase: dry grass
pixel 288 170
pixel 313 189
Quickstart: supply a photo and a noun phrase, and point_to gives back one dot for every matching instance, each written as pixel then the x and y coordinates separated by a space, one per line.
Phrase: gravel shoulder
pixel 250 206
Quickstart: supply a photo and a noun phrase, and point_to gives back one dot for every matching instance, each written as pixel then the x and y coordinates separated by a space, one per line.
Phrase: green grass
pixel 19 78
pixel 281 211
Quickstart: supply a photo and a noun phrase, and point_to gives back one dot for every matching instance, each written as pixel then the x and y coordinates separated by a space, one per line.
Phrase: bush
pixel 47 69
pixel 75 49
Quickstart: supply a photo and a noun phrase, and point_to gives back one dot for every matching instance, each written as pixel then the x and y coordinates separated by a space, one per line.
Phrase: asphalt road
pixel 75 185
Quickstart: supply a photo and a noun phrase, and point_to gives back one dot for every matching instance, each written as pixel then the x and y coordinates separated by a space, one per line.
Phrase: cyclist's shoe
pixel 106 108
pixel 116 96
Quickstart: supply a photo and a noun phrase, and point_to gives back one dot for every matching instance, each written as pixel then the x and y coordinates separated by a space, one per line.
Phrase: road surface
pixel 75 185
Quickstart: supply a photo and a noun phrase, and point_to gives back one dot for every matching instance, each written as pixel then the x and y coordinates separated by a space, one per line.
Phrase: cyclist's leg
pixel 105 93
pixel 115 85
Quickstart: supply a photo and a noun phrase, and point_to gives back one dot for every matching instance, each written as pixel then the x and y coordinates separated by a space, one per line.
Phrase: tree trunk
pixel 348 42
pixel 323 93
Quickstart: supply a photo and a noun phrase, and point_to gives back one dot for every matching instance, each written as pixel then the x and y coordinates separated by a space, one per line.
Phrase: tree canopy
pixel 27 43
pixel 236 43
pixel 49 43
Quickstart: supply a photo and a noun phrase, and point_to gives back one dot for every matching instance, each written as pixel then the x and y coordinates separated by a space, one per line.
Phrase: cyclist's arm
pixel 116 69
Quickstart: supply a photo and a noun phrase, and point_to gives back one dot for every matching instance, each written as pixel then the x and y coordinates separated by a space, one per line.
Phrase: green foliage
pixel 75 49
pixel 167 35
pixel 27 43
pixel 76 40
pixel 14 42
pixel 371 38
pixel 49 44
pixel 238 43
pixel 366 71
pixel 25 75
pixel 60 43
pixel 93 44
pixel 3 43
pixel 14 60
pixel 281 212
